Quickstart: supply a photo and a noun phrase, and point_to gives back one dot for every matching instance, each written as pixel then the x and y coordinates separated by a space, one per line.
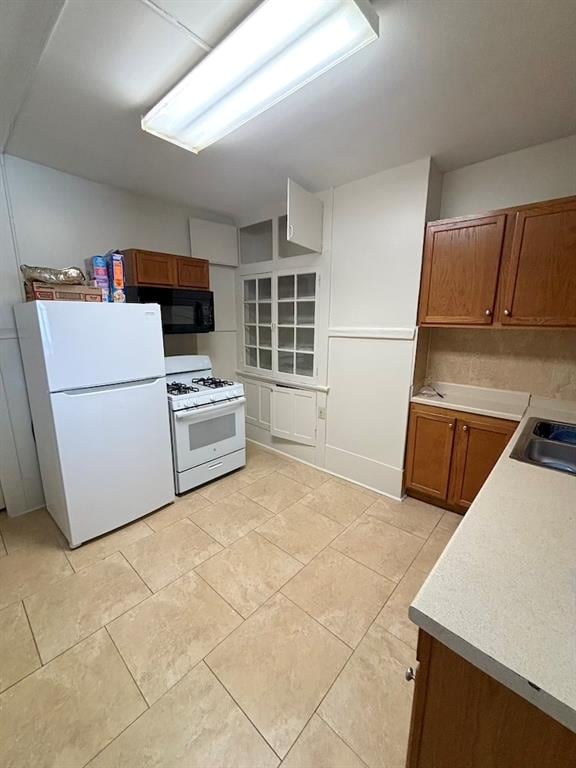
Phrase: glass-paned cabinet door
pixel 296 304
pixel 257 301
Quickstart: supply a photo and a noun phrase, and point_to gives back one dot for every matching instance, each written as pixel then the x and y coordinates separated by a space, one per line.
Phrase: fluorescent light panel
pixel 280 47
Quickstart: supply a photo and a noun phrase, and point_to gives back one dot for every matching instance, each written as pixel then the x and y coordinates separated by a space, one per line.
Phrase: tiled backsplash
pixel 539 361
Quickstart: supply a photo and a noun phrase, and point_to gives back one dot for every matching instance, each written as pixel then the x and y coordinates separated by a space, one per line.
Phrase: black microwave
pixel 182 310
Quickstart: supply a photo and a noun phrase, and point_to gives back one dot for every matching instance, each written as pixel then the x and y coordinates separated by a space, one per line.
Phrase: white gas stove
pixel 206 420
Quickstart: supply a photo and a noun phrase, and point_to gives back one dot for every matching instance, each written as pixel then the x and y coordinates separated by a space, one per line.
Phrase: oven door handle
pixel 191 412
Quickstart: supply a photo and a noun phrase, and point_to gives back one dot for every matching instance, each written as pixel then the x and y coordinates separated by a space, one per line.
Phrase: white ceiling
pixel 24 29
pixel 461 80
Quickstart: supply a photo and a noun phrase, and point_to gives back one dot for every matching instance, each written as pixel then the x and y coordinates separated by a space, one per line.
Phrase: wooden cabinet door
pixel 155 268
pixel 430 439
pixel 460 271
pixel 193 273
pixel 541 287
pixel 478 445
pixel 463 718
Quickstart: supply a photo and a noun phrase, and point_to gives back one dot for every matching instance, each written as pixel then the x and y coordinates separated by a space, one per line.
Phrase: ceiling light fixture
pixel 278 48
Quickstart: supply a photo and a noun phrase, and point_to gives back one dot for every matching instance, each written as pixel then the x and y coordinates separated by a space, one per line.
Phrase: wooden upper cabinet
pixel 516 266
pixel 460 271
pixel 430 439
pixel 478 446
pixel 165 270
pixel 541 285
pixel 193 273
pixel 152 268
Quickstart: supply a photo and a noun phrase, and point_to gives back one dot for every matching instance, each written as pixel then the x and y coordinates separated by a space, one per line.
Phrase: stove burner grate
pixel 178 388
pixel 213 382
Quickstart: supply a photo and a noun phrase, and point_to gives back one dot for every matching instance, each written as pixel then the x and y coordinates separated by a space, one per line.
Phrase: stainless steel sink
pixel 550 444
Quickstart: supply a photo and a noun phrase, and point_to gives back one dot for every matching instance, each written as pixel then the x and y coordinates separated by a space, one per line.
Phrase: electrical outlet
pixel 322 413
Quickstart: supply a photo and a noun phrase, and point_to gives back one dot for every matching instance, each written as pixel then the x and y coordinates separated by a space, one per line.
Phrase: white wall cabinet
pixel 298 232
pixel 293 415
pixel 214 241
pixel 305 214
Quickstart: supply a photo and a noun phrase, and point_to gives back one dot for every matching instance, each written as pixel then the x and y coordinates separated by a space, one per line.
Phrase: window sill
pixel 283 382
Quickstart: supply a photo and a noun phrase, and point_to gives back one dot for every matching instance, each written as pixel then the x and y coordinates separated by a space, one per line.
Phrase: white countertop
pixel 503 593
pixel 501 403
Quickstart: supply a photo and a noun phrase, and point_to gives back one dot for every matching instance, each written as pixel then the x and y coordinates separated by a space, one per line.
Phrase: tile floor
pixel 259 621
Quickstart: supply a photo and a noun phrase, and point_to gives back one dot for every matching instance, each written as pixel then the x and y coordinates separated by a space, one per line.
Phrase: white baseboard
pixel 372 474
pixel 306 453
pixel 343 475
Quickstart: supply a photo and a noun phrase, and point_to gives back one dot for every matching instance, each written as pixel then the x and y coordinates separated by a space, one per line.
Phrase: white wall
pixel 221 345
pixel 376 249
pixel 57 220
pixel 378 229
pixel 19 473
pixel 542 172
pixel 373 234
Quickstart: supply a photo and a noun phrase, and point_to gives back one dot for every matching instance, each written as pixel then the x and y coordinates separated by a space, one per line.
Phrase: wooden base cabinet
pixel 463 718
pixel 451 453
pixel 430 443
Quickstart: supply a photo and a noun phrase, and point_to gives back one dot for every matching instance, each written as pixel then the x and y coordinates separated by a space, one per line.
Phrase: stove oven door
pixel 207 433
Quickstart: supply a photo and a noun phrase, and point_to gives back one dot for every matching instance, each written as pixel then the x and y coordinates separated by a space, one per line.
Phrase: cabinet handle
pixel 451 425
pixel 410 674
pixel 488 312
pixel 290 231
pixel 465 428
pixel 507 312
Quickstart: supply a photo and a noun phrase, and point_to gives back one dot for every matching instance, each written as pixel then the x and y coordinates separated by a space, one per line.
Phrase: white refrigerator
pixel 96 384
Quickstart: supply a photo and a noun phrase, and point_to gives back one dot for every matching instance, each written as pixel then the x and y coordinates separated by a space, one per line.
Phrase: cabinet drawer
pixel 193 273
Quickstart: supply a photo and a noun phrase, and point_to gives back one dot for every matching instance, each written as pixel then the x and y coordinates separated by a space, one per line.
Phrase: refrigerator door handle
pixel 108 387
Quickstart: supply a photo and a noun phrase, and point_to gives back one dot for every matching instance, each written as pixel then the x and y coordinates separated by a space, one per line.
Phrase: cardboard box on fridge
pixel 44 292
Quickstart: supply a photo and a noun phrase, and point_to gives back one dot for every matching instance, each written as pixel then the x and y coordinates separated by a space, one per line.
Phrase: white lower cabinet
pixel 286 412
pixel 293 414
pixel 257 402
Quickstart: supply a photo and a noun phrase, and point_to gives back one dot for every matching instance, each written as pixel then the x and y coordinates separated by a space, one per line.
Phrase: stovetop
pixel 179 388
pixel 212 382
pixel 194 392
